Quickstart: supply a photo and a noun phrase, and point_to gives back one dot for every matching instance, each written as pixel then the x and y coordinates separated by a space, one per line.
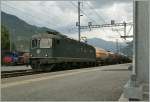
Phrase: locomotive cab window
pixel 45 43
pixel 58 41
pixel 34 43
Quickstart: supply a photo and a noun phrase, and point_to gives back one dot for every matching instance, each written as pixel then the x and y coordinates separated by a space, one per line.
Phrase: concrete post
pixel 137 86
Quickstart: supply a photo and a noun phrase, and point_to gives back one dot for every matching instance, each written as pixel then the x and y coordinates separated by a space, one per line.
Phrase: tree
pixel 5 41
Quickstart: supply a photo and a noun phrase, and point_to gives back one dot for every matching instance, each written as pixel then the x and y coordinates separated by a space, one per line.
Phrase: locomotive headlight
pixel 38 51
pixel 30 55
pixel 46 55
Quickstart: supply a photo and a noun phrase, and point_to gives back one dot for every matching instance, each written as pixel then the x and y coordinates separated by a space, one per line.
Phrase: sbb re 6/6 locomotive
pixel 50 51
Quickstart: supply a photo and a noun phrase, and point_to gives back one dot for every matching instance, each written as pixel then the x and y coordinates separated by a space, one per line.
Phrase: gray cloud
pixel 62 15
pixel 107 3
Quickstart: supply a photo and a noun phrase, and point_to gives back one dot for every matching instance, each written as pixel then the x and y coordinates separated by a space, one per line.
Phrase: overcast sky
pixel 63 15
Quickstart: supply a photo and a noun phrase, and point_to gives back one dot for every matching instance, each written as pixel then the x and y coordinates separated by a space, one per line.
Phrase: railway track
pixel 15 73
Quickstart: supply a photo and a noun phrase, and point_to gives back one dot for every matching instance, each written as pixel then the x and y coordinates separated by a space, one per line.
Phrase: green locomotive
pixel 48 51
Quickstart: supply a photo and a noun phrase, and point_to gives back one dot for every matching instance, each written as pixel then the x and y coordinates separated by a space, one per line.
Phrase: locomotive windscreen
pixel 45 43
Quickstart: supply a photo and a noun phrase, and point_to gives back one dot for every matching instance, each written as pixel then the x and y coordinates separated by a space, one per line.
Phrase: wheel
pixel 133 99
pixel 47 68
pixel 35 68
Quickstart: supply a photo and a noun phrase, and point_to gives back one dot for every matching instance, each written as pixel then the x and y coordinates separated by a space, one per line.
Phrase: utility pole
pixel 125 29
pixel 79 19
pixel 117 46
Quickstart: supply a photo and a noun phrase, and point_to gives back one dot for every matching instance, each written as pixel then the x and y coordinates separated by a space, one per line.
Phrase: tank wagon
pixel 101 56
pixel 117 58
pixel 49 51
pixel 104 57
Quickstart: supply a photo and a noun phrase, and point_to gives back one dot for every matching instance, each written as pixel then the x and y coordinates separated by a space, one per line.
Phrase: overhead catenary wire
pixel 54 24
pixel 83 12
pixel 100 18
pixel 91 7
pixel 103 19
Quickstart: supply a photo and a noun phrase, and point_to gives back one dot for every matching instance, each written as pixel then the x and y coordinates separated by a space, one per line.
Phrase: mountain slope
pixel 20 31
pixel 107 45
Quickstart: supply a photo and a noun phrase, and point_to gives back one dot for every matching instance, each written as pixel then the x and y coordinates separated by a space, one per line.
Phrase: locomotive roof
pixel 57 36
pixel 46 35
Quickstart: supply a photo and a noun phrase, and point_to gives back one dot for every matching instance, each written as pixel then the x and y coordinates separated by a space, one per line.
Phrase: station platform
pixel 103 83
pixel 12 68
